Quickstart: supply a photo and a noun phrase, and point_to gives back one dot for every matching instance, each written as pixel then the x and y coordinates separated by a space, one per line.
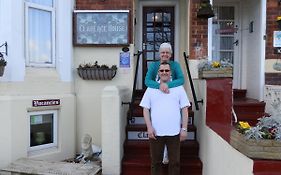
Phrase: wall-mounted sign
pixel 48 102
pixel 277 39
pixel 101 27
pixel 124 60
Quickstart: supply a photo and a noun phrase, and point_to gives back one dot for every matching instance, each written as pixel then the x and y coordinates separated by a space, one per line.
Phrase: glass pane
pixel 41 129
pixel 42 2
pixel 40 36
pixel 149 17
pixel 226 43
pixel 158 17
pixel 149 56
pixel 150 37
pixel 150 46
pixel 223 13
pixel 167 17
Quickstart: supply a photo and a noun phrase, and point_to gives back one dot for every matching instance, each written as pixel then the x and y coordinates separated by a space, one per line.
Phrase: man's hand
pixel 183 135
pixel 151 133
pixel 164 88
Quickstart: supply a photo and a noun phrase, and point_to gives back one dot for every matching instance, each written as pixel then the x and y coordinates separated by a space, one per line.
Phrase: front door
pixel 158 27
pixel 225 38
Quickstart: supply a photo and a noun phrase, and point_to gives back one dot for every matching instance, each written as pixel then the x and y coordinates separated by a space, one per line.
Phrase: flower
pixel 210 65
pixel 97 66
pixel 266 128
pixel 278 18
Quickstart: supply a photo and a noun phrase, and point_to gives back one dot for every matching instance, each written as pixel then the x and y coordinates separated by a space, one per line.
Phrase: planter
pixel 2 69
pixel 215 73
pixel 96 73
pixel 263 149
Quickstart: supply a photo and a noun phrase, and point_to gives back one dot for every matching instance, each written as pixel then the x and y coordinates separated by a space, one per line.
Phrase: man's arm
pixel 150 129
pixel 183 132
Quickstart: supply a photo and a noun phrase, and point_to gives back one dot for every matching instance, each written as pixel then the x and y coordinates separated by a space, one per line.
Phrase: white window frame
pixel 53 34
pixel 55 131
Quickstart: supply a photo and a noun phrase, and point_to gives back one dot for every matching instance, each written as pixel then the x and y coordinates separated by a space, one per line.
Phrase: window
pixel 43 130
pixel 40 33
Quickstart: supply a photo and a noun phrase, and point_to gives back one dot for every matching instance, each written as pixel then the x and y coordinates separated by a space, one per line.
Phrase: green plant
pixel 97 66
pixel 3 62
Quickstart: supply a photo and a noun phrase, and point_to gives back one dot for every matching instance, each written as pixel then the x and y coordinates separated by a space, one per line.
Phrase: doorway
pixel 158 27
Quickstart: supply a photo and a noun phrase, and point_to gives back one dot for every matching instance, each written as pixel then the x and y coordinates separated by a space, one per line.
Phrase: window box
pixel 263 149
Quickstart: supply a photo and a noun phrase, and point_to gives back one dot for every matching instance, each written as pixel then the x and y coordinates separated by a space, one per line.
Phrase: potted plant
pixel 214 69
pixel 260 141
pixel 89 71
pixel 3 64
pixel 278 20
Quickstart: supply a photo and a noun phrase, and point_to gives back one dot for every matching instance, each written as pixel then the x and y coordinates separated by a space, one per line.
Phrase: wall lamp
pixel 6 48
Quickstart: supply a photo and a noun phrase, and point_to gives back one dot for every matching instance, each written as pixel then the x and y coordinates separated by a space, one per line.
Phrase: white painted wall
pixel 217 156
pixel 89 92
pixel 114 122
pixel 253 50
pixel 20 85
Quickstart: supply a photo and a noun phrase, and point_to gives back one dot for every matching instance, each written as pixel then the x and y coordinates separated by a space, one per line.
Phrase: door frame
pixel 139 29
pixel 237 63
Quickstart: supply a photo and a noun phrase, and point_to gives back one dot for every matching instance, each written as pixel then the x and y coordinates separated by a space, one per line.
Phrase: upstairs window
pixel 40 33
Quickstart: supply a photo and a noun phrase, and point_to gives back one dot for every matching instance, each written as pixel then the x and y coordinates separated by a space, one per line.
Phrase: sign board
pixel 101 27
pixel 49 102
pixel 277 39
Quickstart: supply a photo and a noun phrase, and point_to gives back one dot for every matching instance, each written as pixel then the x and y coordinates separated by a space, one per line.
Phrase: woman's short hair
pixel 165 46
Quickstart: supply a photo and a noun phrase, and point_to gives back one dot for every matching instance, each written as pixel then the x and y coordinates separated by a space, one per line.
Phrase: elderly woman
pixel 151 81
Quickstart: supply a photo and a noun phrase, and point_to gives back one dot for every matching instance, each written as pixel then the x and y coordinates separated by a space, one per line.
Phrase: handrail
pixel 191 83
pixel 135 83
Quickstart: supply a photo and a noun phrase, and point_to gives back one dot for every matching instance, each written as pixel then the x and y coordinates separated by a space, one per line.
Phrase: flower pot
pixel 262 149
pixel 2 69
pixel 215 73
pixel 96 73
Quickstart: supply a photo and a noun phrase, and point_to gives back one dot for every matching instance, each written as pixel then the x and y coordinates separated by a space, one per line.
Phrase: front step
pixel 140 165
pixel 267 167
pixel 139 132
pixel 248 109
pixel 189 148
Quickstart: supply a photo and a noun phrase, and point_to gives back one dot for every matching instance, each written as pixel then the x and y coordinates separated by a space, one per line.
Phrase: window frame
pixel 55 131
pixel 29 5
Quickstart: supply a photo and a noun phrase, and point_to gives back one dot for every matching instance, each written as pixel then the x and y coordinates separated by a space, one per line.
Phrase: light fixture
pixel 6 48
pixel 205 10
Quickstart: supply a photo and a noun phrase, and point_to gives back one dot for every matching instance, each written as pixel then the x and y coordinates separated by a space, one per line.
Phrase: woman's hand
pixel 164 88
pixel 151 133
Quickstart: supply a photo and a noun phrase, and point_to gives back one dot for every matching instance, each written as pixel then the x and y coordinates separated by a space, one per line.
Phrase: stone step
pixel 135 165
pixel 140 120
pixel 139 132
pixel 189 148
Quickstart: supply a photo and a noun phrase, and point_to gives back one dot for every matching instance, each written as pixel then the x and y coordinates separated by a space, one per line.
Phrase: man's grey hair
pixel 166 46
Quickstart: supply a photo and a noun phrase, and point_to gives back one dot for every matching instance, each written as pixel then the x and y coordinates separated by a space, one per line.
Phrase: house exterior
pixel 47 41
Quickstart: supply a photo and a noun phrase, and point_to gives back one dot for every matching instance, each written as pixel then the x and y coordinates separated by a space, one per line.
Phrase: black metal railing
pixel 191 83
pixel 138 54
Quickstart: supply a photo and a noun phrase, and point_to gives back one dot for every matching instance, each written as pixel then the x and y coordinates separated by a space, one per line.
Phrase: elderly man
pixel 166 117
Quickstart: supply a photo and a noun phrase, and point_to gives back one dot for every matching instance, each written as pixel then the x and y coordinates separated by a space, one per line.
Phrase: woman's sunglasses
pixel 164 70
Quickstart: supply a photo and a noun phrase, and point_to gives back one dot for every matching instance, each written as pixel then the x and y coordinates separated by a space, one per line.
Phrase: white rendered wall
pixel 89 92
pixel 217 156
pixel 114 122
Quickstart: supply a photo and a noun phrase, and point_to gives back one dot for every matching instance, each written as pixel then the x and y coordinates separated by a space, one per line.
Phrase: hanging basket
pixel 96 73
pixel 205 10
pixel 2 69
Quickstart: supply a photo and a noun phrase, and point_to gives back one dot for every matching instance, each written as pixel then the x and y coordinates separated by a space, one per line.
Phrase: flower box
pixel 96 73
pixel 262 149
pixel 215 73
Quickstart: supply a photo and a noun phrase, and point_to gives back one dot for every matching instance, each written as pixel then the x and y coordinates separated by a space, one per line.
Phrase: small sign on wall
pixel 101 27
pixel 277 39
pixel 48 102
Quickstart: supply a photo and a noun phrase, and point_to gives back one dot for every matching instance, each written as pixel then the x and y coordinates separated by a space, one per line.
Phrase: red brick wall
pixel 198 32
pixel 108 5
pixel 273 10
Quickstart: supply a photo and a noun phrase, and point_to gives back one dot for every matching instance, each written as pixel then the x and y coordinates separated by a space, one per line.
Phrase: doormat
pixel 41 167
